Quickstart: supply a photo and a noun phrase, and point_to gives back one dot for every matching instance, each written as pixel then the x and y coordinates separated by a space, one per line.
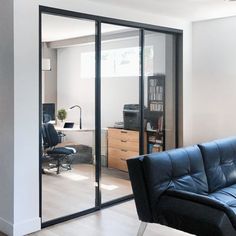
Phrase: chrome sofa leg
pixel 142 227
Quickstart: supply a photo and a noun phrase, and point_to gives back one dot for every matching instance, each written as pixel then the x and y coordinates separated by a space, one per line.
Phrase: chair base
pixel 58 163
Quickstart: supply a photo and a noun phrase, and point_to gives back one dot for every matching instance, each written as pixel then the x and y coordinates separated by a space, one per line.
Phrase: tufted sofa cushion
pixel 226 196
pixel 181 169
pixel 220 163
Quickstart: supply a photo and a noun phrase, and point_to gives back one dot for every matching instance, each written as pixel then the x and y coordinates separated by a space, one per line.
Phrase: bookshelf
pixel 156 113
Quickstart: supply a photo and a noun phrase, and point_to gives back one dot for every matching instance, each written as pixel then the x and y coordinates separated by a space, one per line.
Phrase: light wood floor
pixel 119 220
pixel 74 191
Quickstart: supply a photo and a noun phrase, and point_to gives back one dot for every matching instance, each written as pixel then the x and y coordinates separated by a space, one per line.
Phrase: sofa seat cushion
pixel 227 196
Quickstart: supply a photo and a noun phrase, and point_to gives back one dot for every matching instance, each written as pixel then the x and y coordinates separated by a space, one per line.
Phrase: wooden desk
pixel 76 128
pixel 92 139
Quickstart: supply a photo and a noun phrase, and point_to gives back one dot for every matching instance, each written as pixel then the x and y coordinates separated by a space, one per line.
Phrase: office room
pixel 89 89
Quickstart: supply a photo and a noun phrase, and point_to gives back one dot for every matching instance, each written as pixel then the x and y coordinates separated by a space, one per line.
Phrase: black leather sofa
pixel 191 189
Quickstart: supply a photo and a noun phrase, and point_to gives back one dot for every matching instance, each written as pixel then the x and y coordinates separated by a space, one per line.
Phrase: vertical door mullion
pixel 40 116
pixel 176 54
pixel 141 92
pixel 98 114
pixel 178 86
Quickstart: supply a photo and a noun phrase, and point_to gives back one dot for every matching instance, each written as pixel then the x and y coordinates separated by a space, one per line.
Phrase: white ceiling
pixel 185 9
pixel 58 28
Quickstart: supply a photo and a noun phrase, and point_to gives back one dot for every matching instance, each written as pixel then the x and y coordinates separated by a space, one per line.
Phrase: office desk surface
pixel 76 128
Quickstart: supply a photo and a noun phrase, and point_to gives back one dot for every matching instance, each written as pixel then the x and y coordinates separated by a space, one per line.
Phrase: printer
pixel 131 116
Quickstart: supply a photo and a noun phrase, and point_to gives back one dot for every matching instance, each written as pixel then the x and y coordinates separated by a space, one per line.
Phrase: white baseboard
pixel 21 228
pixel 27 227
pixel 6 227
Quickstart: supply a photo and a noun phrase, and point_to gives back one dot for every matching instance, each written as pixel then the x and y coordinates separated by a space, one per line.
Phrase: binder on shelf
pixel 160 124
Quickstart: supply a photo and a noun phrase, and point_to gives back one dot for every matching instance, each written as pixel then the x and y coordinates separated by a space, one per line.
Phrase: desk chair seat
pixel 61 151
pixel 62 155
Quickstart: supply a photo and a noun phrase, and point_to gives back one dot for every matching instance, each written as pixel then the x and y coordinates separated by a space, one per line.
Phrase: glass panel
pixel 119 107
pixel 68 87
pixel 159 95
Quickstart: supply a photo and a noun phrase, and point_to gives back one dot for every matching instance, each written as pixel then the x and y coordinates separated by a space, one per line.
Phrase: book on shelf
pixel 160 124
pixel 154 148
pixel 159 141
pixel 156 106
pixel 156 93
pixel 152 139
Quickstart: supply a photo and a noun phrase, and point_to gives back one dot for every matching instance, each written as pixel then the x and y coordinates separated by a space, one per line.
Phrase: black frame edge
pixel 141 92
pixel 109 20
pixel 40 116
pixel 98 114
pixel 179 90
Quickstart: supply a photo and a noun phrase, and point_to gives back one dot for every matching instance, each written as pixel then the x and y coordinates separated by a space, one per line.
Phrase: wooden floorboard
pixel 119 220
pixel 73 191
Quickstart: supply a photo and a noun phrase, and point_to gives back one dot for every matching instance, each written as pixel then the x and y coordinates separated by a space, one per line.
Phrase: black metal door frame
pixel 98 21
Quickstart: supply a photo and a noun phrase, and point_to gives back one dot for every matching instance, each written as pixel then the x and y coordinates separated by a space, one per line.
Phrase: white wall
pixel 187 87
pixel 26 118
pixel 6 115
pixel 214 79
pixel 73 89
pixel 49 78
pixel 26 133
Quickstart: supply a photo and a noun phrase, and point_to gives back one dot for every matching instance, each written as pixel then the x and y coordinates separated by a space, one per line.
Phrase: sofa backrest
pixel 180 168
pixel 219 158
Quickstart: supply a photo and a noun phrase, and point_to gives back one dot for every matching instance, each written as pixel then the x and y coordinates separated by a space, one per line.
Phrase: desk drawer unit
pixel 122 144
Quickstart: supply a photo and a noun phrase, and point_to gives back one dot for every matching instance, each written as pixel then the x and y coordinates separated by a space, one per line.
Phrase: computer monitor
pixel 48 112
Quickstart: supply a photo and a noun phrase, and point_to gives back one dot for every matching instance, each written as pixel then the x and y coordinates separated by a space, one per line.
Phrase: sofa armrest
pixel 195 213
pixel 140 189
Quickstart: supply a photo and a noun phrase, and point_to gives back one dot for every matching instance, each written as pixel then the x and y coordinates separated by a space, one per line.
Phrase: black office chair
pixel 62 156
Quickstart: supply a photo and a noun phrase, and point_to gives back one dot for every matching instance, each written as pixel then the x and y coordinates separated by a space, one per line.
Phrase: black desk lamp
pixel 80 120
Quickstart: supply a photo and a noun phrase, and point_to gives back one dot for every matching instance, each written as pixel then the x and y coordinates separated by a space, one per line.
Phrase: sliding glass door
pixel 108 93
pixel 120 110
pixel 159 91
pixel 68 102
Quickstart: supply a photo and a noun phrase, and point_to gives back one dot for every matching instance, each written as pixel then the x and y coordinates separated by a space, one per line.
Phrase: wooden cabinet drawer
pixel 127 135
pixel 117 163
pixel 121 153
pixel 117 158
pixel 123 144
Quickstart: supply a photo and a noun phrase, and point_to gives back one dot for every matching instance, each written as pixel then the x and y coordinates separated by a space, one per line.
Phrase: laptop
pixel 68 125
